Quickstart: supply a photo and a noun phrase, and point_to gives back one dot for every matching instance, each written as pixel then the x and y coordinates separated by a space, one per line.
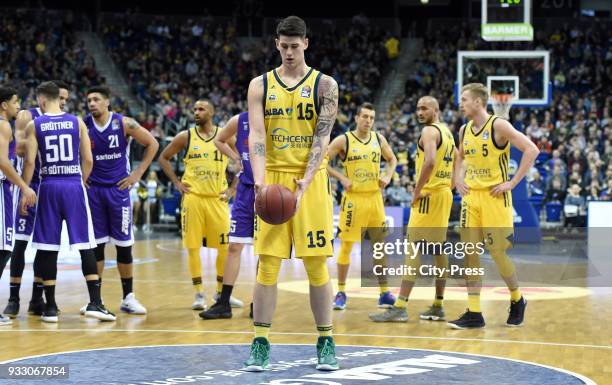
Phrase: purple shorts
pixel 24 224
pixel 243 215
pixel 6 216
pixel 59 200
pixel 112 217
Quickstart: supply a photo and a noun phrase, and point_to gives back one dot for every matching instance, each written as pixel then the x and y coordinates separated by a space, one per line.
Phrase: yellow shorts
pixel 429 216
pixel 484 217
pixel 310 231
pixel 205 222
pixel 359 211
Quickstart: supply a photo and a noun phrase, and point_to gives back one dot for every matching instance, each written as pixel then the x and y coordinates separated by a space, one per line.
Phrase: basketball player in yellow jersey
pixel 431 207
pixel 292 110
pixel 481 177
pixel 362 203
pixel 204 211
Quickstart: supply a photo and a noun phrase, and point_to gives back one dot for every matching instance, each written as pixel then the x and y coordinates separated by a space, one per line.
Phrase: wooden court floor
pixel 570 333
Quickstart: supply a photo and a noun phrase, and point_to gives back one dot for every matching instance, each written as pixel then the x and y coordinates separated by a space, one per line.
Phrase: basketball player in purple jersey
pixel 236 133
pixel 110 182
pixel 25 223
pixel 61 142
pixel 9 107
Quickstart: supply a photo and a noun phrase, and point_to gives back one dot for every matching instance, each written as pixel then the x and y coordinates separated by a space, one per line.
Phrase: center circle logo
pixel 295 364
pixel 280 138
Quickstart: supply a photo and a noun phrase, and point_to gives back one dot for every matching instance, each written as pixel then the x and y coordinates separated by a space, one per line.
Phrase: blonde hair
pixel 478 90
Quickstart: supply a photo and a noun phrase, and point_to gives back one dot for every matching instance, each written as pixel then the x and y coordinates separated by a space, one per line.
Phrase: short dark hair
pixel 6 93
pixel 61 84
pixel 292 26
pixel 367 106
pixel 103 90
pixel 48 89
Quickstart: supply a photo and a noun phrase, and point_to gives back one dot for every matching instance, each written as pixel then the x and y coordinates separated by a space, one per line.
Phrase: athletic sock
pixel 325 330
pixel 515 294
pixel 262 330
pixel 93 287
pixel 50 295
pixel 126 285
pixel 14 291
pixel 384 289
pixel 341 286
pixel 197 284
pixel 438 301
pixel 401 302
pixel 226 293
pixel 474 302
pixel 37 291
pixel 219 284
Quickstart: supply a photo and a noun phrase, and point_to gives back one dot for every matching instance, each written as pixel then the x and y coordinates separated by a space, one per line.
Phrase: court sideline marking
pixel 543 343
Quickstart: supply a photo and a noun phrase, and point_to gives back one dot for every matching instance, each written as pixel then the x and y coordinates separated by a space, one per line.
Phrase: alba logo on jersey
pixel 282 140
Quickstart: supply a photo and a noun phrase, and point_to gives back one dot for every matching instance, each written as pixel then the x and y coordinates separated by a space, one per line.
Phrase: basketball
pixel 275 204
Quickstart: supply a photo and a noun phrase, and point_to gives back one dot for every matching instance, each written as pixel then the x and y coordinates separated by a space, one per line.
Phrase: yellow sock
pixel 219 284
pixel 197 284
pixel 384 289
pixel 438 301
pixel 262 330
pixel 474 302
pixel 195 268
pixel 341 286
pixel 515 294
pixel 401 302
pixel 325 330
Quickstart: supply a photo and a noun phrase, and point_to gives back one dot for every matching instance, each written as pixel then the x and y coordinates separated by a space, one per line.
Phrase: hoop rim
pixel 502 97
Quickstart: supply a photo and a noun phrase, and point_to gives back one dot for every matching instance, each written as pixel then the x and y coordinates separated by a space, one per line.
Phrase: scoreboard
pixel 506 20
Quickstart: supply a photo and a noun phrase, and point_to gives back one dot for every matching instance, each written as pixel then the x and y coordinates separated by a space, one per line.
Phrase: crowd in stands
pixel 171 63
pixel 36 46
pixel 574 134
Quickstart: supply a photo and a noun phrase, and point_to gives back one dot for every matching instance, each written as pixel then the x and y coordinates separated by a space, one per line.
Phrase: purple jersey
pixel 58 146
pixel 110 151
pixel 242 145
pixel 36 112
pixel 11 152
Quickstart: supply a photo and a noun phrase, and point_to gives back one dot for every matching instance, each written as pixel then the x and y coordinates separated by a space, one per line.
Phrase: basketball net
pixel 502 104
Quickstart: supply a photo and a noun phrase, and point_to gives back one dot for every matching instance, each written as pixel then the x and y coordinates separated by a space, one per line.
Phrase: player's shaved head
pixel 430 101
pixel 427 110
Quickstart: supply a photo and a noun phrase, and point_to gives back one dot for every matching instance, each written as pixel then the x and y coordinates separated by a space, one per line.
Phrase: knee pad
pixel 99 251
pixel 18 258
pixel 503 262
pixel 267 272
pixel 124 255
pixel 344 256
pixel 88 262
pixel 316 268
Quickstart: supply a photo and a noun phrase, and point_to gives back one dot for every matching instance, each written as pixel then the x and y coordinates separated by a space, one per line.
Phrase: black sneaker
pixel 251 312
pixel 36 307
pixel 12 308
pixel 216 311
pixel 50 314
pixel 517 312
pixel 469 320
pixel 98 311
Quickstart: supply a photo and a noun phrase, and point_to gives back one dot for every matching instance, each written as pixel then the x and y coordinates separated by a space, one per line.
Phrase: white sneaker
pixel 234 302
pixel 200 302
pixel 131 305
pixel 5 320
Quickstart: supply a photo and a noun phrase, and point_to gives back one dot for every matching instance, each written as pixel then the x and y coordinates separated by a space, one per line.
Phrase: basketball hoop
pixel 502 103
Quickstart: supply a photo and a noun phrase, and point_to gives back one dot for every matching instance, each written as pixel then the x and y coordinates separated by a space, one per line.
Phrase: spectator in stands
pixel 397 195
pixel 575 206
pixel 537 186
pixel 594 192
pixel 555 193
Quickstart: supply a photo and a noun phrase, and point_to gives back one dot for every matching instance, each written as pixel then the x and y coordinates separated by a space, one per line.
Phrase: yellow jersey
pixel 486 163
pixel 290 118
pixel 362 162
pixel 204 165
pixel 445 154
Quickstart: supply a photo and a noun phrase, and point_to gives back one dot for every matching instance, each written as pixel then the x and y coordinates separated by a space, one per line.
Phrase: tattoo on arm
pixel 259 149
pixel 328 95
pixel 131 124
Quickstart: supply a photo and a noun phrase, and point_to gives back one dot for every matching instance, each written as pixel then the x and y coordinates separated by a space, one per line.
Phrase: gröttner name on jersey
pixel 54 126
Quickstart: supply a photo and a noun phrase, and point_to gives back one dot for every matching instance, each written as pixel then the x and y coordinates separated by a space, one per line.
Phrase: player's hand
pixel 462 188
pixel 418 195
pixel 182 187
pixel 501 188
pixel 259 188
pixel 302 185
pixel 384 181
pixel 129 181
pixel 346 183
pixel 28 198
pixel 227 194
